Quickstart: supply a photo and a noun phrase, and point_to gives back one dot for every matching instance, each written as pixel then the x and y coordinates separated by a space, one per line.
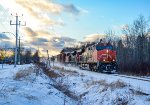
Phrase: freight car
pixel 100 57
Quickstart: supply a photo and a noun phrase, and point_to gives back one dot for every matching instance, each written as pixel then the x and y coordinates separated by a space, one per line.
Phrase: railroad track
pixel 126 76
pixel 132 77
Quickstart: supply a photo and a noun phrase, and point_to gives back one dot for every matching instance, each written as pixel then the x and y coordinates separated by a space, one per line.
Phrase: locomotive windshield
pixel 98 47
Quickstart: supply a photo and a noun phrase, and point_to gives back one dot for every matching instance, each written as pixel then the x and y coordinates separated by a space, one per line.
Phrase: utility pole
pixel 19 54
pixel 48 60
pixel 18 23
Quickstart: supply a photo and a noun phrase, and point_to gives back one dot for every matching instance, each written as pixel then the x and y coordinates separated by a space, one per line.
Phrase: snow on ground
pixel 23 85
pixel 104 89
pixel 28 85
pixel 143 85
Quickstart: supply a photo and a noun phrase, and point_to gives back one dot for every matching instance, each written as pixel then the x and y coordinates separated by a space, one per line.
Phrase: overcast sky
pixel 53 24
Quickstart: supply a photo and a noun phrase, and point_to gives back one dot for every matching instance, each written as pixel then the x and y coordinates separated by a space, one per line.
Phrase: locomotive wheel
pixel 107 68
pixel 101 68
pixel 115 67
pixel 90 67
pixel 93 67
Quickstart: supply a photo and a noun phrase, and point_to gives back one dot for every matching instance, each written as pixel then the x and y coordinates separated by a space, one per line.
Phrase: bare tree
pixel 137 47
pixel 110 35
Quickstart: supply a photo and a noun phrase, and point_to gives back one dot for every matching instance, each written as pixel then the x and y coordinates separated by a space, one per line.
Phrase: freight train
pixel 100 57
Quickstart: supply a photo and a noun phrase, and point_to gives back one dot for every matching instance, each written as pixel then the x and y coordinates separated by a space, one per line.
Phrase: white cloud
pixel 39 15
pixel 93 37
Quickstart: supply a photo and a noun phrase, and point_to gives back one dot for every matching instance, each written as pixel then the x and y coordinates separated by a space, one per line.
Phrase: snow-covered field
pixel 23 85
pixel 28 85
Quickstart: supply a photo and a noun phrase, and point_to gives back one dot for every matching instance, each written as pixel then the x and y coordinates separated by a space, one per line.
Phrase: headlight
pixel 113 59
pixel 104 60
pixel 107 51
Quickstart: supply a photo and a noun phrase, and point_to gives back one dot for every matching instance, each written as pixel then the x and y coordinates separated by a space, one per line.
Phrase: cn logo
pixel 102 56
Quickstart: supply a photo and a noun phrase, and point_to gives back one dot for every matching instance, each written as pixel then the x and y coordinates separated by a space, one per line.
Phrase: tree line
pixel 28 57
pixel 133 50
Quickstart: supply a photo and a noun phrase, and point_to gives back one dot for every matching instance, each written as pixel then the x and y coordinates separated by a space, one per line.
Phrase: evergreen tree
pixel 27 57
pixel 36 57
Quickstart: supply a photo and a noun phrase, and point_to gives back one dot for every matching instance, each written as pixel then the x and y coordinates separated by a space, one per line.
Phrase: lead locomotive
pixel 100 57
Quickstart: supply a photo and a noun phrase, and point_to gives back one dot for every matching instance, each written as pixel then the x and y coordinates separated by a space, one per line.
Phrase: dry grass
pixel 59 83
pixel 23 73
pixel 121 100
pixel 104 85
pixel 52 74
pixel 57 68
pixel 64 87
pixel 30 97
pixel 69 72
pixel 66 71
pixel 100 82
pixel 138 92
pixel 117 85
pixel 5 90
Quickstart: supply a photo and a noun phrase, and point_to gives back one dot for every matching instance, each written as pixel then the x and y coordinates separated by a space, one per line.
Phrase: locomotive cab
pixel 106 58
